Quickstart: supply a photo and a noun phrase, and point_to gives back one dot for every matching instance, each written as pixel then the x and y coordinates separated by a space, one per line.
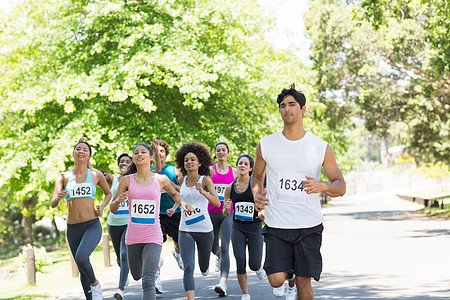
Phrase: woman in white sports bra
pixel 194 160
pixel 84 230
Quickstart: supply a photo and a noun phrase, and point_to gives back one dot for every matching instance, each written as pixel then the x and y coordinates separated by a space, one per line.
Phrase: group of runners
pixel 205 205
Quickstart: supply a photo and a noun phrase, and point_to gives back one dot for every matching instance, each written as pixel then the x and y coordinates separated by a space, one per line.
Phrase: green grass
pixel 56 280
pixel 437 211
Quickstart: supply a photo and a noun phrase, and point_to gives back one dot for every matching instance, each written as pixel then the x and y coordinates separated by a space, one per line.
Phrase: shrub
pixel 41 257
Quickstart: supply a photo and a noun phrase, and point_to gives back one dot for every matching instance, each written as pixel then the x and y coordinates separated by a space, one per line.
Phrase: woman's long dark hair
pixel 252 162
pixel 132 168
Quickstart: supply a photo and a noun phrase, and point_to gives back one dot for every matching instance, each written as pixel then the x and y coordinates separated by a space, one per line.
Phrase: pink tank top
pixel 144 206
pixel 221 181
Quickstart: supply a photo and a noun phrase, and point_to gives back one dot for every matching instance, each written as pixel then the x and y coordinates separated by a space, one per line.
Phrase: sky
pixel 289 31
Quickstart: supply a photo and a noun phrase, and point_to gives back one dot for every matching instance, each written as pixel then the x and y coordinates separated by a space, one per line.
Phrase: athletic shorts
pixel 294 251
pixel 169 225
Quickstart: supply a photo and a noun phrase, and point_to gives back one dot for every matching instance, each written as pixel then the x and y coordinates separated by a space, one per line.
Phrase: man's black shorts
pixel 294 251
pixel 170 225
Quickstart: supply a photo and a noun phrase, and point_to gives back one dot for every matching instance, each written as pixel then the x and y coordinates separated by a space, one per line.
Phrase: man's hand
pixel 312 186
pixel 261 200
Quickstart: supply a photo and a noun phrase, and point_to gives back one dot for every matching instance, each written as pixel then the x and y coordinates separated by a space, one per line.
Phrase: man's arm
pixel 259 172
pixel 336 187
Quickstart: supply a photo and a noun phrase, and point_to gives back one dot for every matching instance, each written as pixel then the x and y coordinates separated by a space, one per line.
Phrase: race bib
pixel 123 209
pixel 194 216
pixel 81 190
pixel 244 211
pixel 143 211
pixel 291 184
pixel 220 189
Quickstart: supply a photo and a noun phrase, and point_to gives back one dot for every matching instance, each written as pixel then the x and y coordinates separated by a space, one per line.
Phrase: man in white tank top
pixel 291 162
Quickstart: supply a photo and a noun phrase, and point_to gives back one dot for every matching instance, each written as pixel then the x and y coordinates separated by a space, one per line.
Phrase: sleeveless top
pixel 198 220
pixel 120 217
pixel 287 163
pixel 143 222
pixel 244 204
pixel 221 181
pixel 84 189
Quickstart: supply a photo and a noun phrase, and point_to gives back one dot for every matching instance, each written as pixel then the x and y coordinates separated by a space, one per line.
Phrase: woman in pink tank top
pixel 223 175
pixel 142 189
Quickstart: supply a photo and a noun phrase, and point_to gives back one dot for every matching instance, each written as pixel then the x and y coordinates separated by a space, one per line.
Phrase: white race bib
pixel 194 216
pixel 81 190
pixel 143 211
pixel 220 189
pixel 123 209
pixel 291 184
pixel 244 211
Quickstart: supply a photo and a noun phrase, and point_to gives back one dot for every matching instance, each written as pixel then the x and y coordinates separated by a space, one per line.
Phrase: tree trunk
pixel 55 229
pixel 29 219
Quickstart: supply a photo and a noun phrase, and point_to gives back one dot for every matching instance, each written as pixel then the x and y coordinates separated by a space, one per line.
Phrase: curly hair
pixel 202 153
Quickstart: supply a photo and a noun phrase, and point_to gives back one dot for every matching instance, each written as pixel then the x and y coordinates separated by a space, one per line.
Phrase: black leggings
pixel 117 234
pixel 83 238
pixel 247 235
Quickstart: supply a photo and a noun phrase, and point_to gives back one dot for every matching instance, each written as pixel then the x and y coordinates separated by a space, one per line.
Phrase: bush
pixel 41 257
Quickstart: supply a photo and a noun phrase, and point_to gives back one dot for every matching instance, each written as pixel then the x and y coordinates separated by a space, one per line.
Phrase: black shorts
pixel 295 251
pixel 170 225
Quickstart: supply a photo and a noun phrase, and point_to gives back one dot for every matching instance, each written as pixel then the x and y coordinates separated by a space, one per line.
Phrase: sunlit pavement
pixel 374 247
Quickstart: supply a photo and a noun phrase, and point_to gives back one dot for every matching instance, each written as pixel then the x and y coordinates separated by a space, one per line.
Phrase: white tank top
pixel 287 163
pixel 199 220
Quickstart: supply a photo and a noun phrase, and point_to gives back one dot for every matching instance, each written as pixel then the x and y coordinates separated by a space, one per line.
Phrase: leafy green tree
pixel 120 72
pixel 384 75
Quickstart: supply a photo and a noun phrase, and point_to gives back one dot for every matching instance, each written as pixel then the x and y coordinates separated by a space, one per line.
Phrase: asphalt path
pixel 374 247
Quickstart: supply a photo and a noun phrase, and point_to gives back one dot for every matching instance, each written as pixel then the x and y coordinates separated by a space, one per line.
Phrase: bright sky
pixel 289 30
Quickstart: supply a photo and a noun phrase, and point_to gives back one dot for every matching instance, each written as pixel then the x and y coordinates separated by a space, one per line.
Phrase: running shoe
pixel 205 273
pixel 246 297
pixel 279 291
pixel 177 257
pixel 221 289
pixel 96 292
pixel 118 295
pixel 261 274
pixel 291 293
pixel 217 266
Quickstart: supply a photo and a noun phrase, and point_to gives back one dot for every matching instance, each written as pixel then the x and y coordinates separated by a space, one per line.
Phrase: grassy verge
pixel 437 212
pixel 56 280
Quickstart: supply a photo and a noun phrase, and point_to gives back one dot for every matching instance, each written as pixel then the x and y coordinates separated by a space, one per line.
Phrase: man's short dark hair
pixel 298 96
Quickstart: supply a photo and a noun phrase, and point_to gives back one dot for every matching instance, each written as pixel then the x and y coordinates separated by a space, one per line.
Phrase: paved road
pixel 374 247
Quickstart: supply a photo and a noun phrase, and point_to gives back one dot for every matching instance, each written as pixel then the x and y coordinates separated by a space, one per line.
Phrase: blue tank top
pixel 80 190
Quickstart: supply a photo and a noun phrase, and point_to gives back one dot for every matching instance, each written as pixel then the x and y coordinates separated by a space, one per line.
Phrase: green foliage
pixel 41 257
pixel 121 72
pixel 385 77
pixel 436 170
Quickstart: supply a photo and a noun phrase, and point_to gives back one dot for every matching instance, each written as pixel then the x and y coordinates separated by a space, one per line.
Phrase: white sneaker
pixel 279 291
pixel 291 293
pixel 96 292
pixel 118 295
pixel 177 257
pixel 205 273
pixel 221 289
pixel 246 297
pixel 217 266
pixel 261 274
pixel 158 285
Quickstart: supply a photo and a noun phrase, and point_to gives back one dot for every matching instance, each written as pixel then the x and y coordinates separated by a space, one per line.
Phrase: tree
pixel 384 75
pixel 120 72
